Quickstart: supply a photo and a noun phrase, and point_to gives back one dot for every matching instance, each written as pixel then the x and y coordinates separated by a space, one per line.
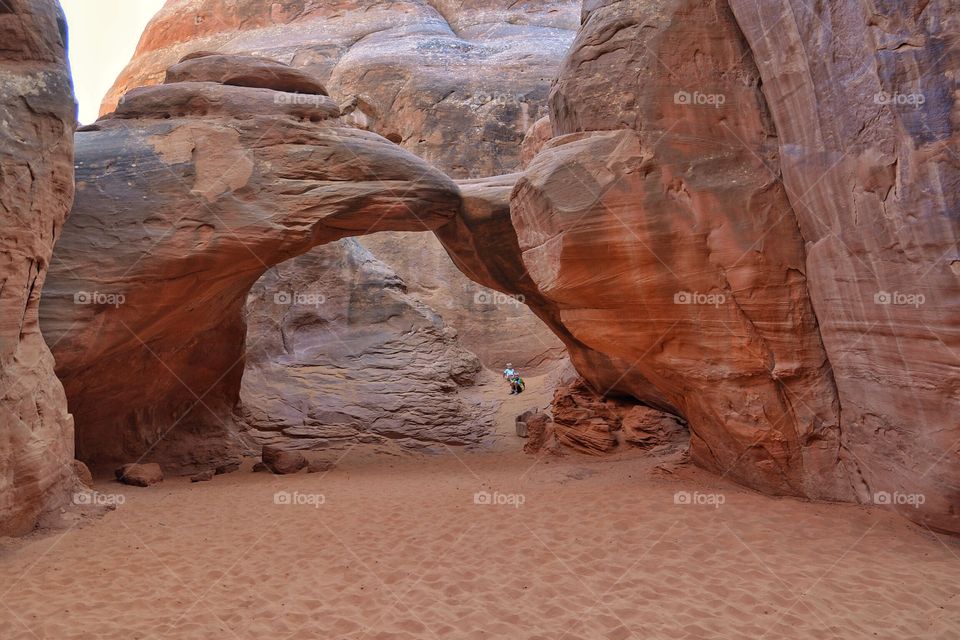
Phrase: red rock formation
pixel 667 183
pixel 36 187
pixel 655 229
pixel 183 200
pixel 140 474
pixel 589 423
pixel 458 84
pixel 537 135
pixel 244 71
pixel 724 187
pixel 865 102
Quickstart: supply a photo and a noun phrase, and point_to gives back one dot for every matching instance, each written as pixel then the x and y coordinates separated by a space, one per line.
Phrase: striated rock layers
pixel 585 422
pixel 37 118
pixel 185 197
pixel 761 231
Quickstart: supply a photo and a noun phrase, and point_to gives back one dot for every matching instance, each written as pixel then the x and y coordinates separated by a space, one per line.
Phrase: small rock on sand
pixel 281 461
pixel 203 476
pixel 140 475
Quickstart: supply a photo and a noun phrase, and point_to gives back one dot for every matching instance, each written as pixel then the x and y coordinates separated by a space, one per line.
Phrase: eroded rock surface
pixel 746 196
pixel 339 353
pixel 867 108
pixel 741 214
pixel 37 118
pixel 457 84
pixel 656 232
pixel 140 474
pixel 180 209
pixel 587 422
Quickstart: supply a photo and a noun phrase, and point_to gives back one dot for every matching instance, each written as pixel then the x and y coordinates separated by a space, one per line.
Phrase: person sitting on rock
pixel 513 378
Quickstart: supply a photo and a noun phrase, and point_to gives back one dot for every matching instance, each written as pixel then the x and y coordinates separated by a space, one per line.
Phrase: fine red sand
pixel 400 549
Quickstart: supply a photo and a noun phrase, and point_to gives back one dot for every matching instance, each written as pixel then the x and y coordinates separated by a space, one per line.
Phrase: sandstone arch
pixel 187 194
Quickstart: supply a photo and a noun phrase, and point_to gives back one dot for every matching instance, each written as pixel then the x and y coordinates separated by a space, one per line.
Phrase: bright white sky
pixel 103 35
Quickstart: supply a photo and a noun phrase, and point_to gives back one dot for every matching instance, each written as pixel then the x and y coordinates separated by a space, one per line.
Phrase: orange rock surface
pixel 36 188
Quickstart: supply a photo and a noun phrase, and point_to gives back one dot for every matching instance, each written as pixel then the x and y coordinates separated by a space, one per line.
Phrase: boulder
pixel 539 434
pixel 82 472
pixel 203 476
pixel 140 474
pixel 282 462
pixel 521 421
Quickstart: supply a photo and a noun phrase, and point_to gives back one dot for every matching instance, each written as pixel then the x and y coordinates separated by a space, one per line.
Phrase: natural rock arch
pixel 186 195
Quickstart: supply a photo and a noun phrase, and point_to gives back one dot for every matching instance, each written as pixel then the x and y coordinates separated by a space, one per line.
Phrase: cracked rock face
pixel 37 119
pixel 185 197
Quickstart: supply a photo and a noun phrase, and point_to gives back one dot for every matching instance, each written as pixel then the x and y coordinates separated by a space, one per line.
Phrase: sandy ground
pixel 395 548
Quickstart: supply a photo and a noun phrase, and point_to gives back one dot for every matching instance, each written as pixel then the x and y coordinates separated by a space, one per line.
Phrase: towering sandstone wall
pixel 866 101
pixel 37 119
pixel 773 188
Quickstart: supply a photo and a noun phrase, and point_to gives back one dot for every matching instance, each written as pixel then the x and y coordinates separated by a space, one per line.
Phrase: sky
pixel 103 35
